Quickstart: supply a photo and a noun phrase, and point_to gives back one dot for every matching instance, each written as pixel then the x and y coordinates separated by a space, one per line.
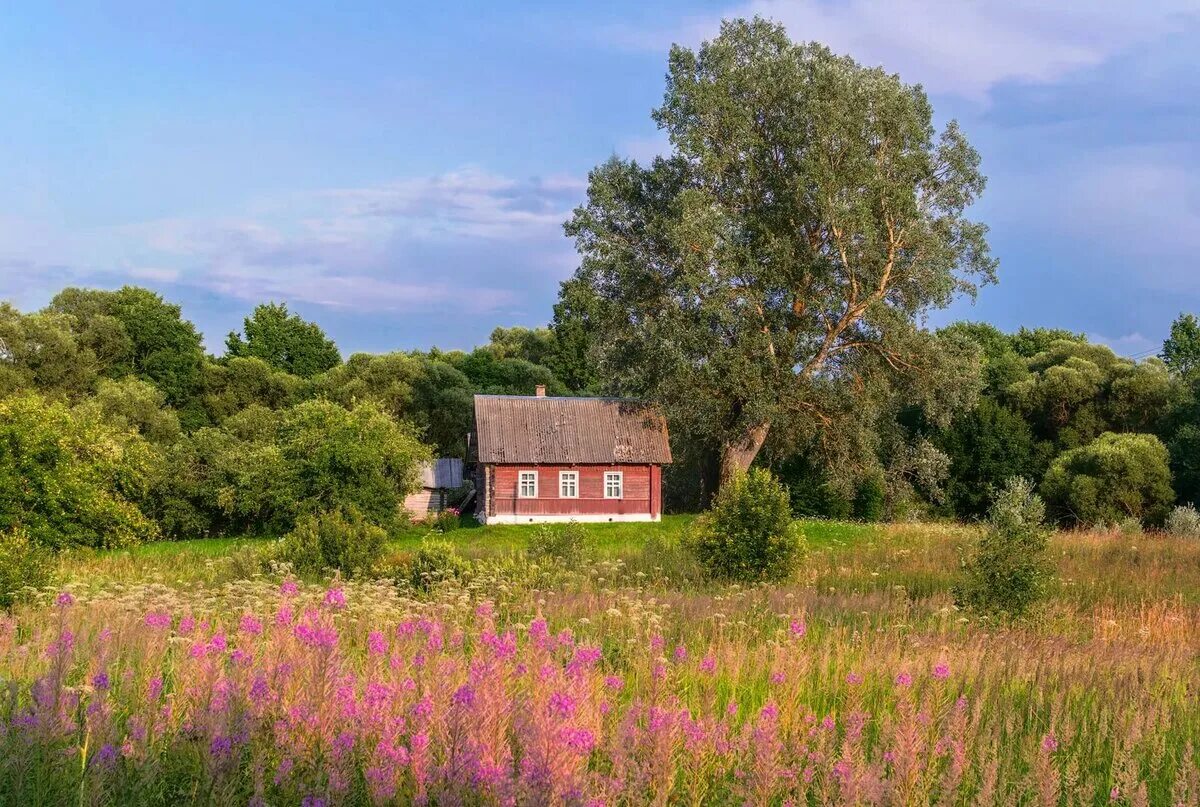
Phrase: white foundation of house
pixel 527 518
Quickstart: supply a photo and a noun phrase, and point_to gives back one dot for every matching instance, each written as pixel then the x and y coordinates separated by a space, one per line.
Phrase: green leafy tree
pixel 70 480
pixel 39 352
pixel 284 341
pixel 130 404
pixel 342 541
pixel 236 384
pixel 987 446
pixel 1114 478
pixel 808 214
pixel 134 331
pixel 1181 350
pixel 1007 570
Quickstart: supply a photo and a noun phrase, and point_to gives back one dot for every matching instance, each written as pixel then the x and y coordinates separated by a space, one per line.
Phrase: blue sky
pixel 400 172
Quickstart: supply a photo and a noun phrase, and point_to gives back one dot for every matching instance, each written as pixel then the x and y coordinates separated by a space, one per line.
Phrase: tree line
pixel 766 283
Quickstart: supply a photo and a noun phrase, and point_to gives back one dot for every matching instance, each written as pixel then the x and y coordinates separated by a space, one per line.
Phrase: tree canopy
pixel 284 341
pixel 808 215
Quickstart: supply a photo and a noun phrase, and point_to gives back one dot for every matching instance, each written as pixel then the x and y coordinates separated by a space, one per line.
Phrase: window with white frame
pixel 568 484
pixel 614 485
pixel 527 484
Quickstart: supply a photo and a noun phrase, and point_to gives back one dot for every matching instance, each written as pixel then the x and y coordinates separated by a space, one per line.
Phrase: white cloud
pixel 960 47
pixel 414 245
pixel 1131 344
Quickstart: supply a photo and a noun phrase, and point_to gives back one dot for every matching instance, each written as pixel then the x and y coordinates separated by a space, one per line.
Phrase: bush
pixel 566 543
pixel 22 563
pixel 434 563
pixel 749 534
pixel 69 479
pixel 1184 522
pixel 1115 477
pixel 869 500
pixel 1007 572
pixel 446 520
pixel 345 541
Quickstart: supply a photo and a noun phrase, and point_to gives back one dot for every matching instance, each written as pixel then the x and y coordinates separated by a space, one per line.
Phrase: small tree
pixel 749 534
pixel 1007 572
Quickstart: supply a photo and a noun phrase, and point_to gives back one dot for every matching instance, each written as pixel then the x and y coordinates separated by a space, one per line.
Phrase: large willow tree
pixel 808 217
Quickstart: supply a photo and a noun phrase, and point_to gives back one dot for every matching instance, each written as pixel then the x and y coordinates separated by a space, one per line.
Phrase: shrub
pixel 22 563
pixel 1130 527
pixel 1184 522
pixel 69 479
pixel 1116 476
pixel 345 541
pixel 435 562
pixel 446 520
pixel 749 534
pixel 566 543
pixel 869 500
pixel 1007 571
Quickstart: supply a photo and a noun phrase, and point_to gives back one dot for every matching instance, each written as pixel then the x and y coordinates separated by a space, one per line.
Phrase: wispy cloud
pixel 468 240
pixel 963 48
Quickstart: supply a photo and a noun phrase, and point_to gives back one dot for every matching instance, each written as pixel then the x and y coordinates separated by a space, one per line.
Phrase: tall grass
pixel 624 682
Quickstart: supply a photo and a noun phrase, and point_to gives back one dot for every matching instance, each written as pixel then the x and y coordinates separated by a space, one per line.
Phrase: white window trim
pixel 562 477
pixel 521 475
pixel 620 477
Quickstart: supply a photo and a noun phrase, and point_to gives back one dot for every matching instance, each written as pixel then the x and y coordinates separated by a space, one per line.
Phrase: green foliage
pixel 133 330
pixel 284 341
pixel 239 383
pixel 568 544
pixel 1115 477
pixel 447 520
pixel 749 534
pixel 333 540
pixel 359 457
pixel 1181 350
pixel 262 470
pixel 40 352
pixel 869 499
pixel 1185 461
pixel 987 446
pixel 807 217
pixel 435 562
pixel 130 404
pixel 1184 522
pixel 1007 570
pixel 22 563
pixel 69 479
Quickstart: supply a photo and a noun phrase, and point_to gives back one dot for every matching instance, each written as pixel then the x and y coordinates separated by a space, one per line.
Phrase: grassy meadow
pixel 185 673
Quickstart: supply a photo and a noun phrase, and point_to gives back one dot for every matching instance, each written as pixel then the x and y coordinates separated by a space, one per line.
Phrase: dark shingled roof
pixel 529 429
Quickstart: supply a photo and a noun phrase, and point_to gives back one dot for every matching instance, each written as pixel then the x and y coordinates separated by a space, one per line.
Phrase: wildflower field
pixel 184 674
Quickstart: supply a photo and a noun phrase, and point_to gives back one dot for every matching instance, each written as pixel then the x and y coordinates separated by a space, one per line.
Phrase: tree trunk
pixel 737 455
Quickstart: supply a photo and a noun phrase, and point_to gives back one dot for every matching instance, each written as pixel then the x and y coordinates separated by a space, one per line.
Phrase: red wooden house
pixel 544 459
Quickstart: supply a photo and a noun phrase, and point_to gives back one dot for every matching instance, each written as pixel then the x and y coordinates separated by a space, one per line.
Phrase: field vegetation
pixel 187 672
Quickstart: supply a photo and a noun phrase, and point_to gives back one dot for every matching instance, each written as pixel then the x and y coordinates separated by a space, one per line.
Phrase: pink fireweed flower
pixel 155 687
pixel 562 704
pixel 289 588
pixel 903 679
pixel 681 653
pixel 376 643
pixel 250 624
pixel 100 681
pixel 708 664
pixel 464 696
pixel 579 740
pixel 335 598
pixel 798 628
pixel 1114 794
pixel 614 682
pixel 157 620
pixel 284 615
pixel 1050 743
pixel 854 679
pixel 778 677
pixel 187 625
pixel 64 599
pixel 218 643
pixel 769 711
pixel 566 638
pixel 657 643
pixel 659 672
pixel 941 671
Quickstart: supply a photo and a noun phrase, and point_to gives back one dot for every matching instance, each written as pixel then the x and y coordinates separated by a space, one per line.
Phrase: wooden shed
pixel 438 479
pixel 548 459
